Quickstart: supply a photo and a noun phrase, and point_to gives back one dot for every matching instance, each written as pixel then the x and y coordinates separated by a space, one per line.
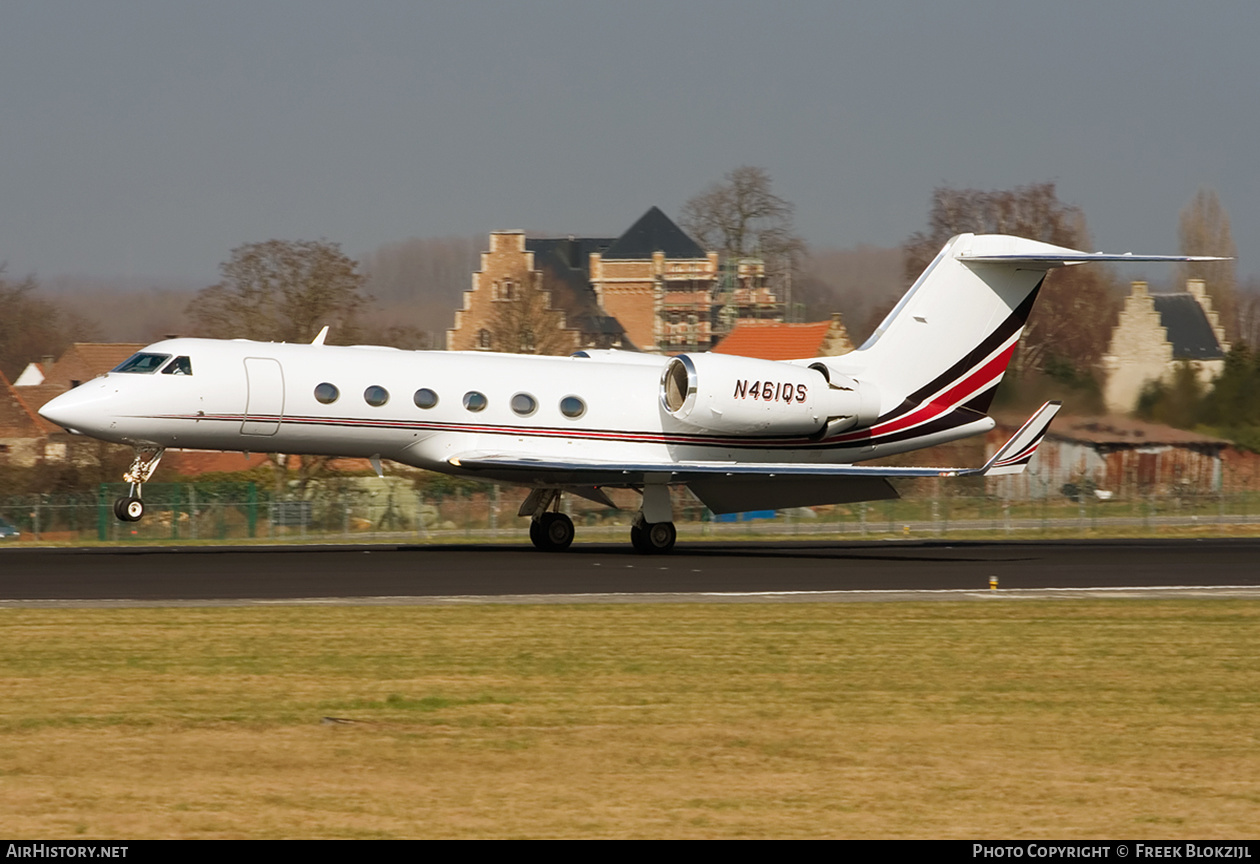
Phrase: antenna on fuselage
pixel 323 334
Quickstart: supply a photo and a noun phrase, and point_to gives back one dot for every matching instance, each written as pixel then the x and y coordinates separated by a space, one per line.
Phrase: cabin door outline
pixel 264 399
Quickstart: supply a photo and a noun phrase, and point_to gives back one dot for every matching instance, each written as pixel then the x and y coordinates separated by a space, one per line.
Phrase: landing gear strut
pixel 129 508
pixel 653 532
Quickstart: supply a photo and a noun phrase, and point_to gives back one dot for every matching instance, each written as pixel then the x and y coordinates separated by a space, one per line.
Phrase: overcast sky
pixel 149 139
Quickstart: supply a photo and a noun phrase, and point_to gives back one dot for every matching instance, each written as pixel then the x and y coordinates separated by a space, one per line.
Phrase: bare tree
pixel 741 217
pixel 1076 309
pixel 857 282
pixel 1204 230
pixel 1249 312
pixel 524 321
pixel 31 326
pixel 283 291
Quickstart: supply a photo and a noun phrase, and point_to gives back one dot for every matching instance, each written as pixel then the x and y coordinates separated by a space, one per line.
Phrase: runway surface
pixel 755 570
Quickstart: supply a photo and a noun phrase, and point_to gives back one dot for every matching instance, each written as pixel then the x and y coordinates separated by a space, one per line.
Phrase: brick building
pixel 26 438
pixel 1155 334
pixel 533 297
pixel 651 289
pixel 24 435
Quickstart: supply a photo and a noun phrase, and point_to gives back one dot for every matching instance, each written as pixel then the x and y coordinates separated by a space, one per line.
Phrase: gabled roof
pixel 36 398
pixel 771 340
pixel 17 417
pixel 654 232
pixel 32 376
pixel 83 361
pixel 1188 327
pixel 573 253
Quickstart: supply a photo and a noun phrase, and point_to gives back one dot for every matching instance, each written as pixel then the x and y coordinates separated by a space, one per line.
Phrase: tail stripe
pixel 1013 324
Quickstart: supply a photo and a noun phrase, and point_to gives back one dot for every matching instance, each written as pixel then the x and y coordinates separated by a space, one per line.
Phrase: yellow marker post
pixel 992 583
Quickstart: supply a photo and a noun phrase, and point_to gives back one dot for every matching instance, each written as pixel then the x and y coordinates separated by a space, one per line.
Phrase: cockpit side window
pixel 142 364
pixel 178 366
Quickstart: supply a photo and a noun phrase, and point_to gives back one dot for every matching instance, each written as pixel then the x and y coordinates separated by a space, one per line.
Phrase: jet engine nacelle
pixel 745 396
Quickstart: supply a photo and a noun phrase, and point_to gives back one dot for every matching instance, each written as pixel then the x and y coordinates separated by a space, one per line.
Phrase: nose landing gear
pixel 129 508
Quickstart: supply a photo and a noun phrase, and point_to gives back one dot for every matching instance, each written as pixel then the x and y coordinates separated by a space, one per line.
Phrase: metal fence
pixel 392 509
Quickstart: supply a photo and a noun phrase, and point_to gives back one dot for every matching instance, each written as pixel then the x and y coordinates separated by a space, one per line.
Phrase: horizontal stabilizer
pixel 1013 457
pixel 1046 260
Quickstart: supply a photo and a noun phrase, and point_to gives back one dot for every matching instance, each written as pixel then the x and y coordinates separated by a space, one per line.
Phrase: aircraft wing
pixel 1011 458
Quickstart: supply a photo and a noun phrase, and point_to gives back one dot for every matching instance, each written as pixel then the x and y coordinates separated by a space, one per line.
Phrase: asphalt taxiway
pixel 799 570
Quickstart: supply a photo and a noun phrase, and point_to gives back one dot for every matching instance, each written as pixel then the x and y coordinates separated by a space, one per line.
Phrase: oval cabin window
pixel 572 407
pixel 524 404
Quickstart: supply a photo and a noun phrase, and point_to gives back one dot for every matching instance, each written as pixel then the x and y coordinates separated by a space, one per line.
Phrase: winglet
pixel 323 334
pixel 1013 456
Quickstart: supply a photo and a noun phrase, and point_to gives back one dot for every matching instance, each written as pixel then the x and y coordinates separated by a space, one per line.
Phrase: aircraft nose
pixel 77 411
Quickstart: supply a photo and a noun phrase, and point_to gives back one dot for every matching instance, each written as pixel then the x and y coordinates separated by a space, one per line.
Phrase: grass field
pixel 1003 719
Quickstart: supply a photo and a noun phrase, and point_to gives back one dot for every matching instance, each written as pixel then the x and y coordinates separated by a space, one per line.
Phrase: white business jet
pixel 741 433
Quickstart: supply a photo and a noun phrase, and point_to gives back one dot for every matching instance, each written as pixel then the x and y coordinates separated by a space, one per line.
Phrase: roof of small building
pixel 17 416
pixel 194 462
pixel 83 361
pixel 1188 327
pixel 654 232
pixel 1114 431
pixel 773 340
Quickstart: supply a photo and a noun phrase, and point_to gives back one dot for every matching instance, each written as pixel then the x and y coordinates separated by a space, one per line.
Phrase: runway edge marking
pixel 848 596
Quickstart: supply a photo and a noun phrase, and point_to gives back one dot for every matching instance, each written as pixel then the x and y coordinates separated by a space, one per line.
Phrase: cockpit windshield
pixel 178 366
pixel 142 364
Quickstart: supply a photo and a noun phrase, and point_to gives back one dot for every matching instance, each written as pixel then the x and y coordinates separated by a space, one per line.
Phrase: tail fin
pixel 952 335
pixel 947 343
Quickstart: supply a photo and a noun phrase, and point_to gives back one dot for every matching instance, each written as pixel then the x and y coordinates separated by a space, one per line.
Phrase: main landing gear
pixel 652 538
pixel 129 508
pixel 552 531
pixel 549 529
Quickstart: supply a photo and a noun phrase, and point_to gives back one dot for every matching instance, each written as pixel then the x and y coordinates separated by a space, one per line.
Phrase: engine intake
pixel 747 396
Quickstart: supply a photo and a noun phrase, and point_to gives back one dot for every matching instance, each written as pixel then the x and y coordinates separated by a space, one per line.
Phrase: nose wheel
pixel 129 508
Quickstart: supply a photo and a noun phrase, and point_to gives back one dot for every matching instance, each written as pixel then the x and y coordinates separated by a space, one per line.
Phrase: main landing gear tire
pixel 129 509
pixel 653 538
pixel 552 532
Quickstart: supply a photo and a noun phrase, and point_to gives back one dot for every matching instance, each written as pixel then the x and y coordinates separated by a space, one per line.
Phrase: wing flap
pixel 681 471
